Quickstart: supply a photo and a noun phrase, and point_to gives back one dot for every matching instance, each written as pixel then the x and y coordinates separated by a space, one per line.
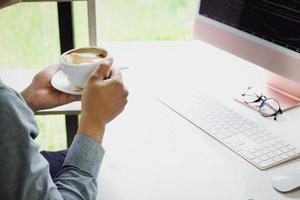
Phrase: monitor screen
pixel 277 21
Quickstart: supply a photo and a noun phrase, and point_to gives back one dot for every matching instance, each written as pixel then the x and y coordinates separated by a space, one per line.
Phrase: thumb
pixel 102 70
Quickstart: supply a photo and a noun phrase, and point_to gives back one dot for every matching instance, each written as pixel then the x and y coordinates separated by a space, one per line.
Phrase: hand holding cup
pixel 103 99
pixel 78 64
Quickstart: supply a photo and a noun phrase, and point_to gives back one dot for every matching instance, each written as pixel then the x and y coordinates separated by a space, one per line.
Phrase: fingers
pixel 62 98
pixel 126 92
pixel 101 71
pixel 116 78
pixel 74 98
pixel 116 75
pixel 65 99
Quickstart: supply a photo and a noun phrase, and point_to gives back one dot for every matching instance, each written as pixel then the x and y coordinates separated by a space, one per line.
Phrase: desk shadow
pixel 295 194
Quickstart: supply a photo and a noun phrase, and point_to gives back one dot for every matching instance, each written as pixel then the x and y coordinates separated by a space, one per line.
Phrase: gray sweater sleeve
pixel 24 173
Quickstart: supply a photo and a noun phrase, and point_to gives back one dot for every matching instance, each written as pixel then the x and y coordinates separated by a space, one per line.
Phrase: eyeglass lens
pixel 268 106
pixel 251 95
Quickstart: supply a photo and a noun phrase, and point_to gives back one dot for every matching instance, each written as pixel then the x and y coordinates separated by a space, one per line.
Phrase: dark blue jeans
pixel 55 160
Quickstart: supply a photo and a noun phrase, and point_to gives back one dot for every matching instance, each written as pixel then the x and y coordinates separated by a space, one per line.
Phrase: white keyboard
pixel 243 136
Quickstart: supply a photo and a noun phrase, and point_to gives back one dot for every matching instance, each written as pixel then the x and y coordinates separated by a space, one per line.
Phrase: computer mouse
pixel 287 180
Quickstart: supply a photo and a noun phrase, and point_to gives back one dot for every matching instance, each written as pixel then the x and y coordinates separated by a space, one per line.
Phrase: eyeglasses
pixel 268 107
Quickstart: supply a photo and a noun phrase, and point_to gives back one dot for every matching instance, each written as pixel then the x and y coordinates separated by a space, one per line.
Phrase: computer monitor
pixel 264 32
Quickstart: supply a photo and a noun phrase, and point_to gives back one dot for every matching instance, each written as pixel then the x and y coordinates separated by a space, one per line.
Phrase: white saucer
pixel 60 82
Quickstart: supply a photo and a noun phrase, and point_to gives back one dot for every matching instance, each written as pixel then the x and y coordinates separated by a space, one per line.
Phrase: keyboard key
pixel 266 145
pixel 253 136
pixel 248 155
pixel 291 153
pixel 257 154
pixel 283 156
pixel 278 146
pixel 284 149
pixel 271 148
pixel 283 143
pixel 220 136
pixel 266 163
pixel 253 150
pixel 257 160
pixel 266 138
pixel 277 152
pixel 297 151
pixel 264 157
pixel 271 155
pixel 260 147
pixel 239 148
pixel 273 142
pixel 264 151
pixel 276 159
pixel 259 141
pixel 291 147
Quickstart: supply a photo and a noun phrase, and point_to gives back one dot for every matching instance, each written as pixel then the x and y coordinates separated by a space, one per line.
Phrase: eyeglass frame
pixel 262 98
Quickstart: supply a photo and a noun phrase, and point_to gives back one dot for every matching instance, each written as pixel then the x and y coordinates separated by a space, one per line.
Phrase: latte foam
pixel 83 58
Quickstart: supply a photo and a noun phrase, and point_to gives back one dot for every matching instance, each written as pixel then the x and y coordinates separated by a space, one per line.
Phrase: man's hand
pixel 103 99
pixel 41 95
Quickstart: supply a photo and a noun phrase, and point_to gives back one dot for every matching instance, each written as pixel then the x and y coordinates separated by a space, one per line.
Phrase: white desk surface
pixel 152 153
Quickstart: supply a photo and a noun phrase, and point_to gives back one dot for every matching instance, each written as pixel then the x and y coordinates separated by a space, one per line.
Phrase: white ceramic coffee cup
pixel 78 74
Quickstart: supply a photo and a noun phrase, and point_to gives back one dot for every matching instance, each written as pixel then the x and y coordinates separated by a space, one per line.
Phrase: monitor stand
pixel 285 91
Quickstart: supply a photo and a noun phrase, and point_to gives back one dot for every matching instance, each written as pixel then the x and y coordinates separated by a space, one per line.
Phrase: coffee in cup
pixel 84 57
pixel 79 63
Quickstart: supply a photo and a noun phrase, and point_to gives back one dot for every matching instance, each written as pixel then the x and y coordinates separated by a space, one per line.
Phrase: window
pixel 29 37
pixel 128 20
